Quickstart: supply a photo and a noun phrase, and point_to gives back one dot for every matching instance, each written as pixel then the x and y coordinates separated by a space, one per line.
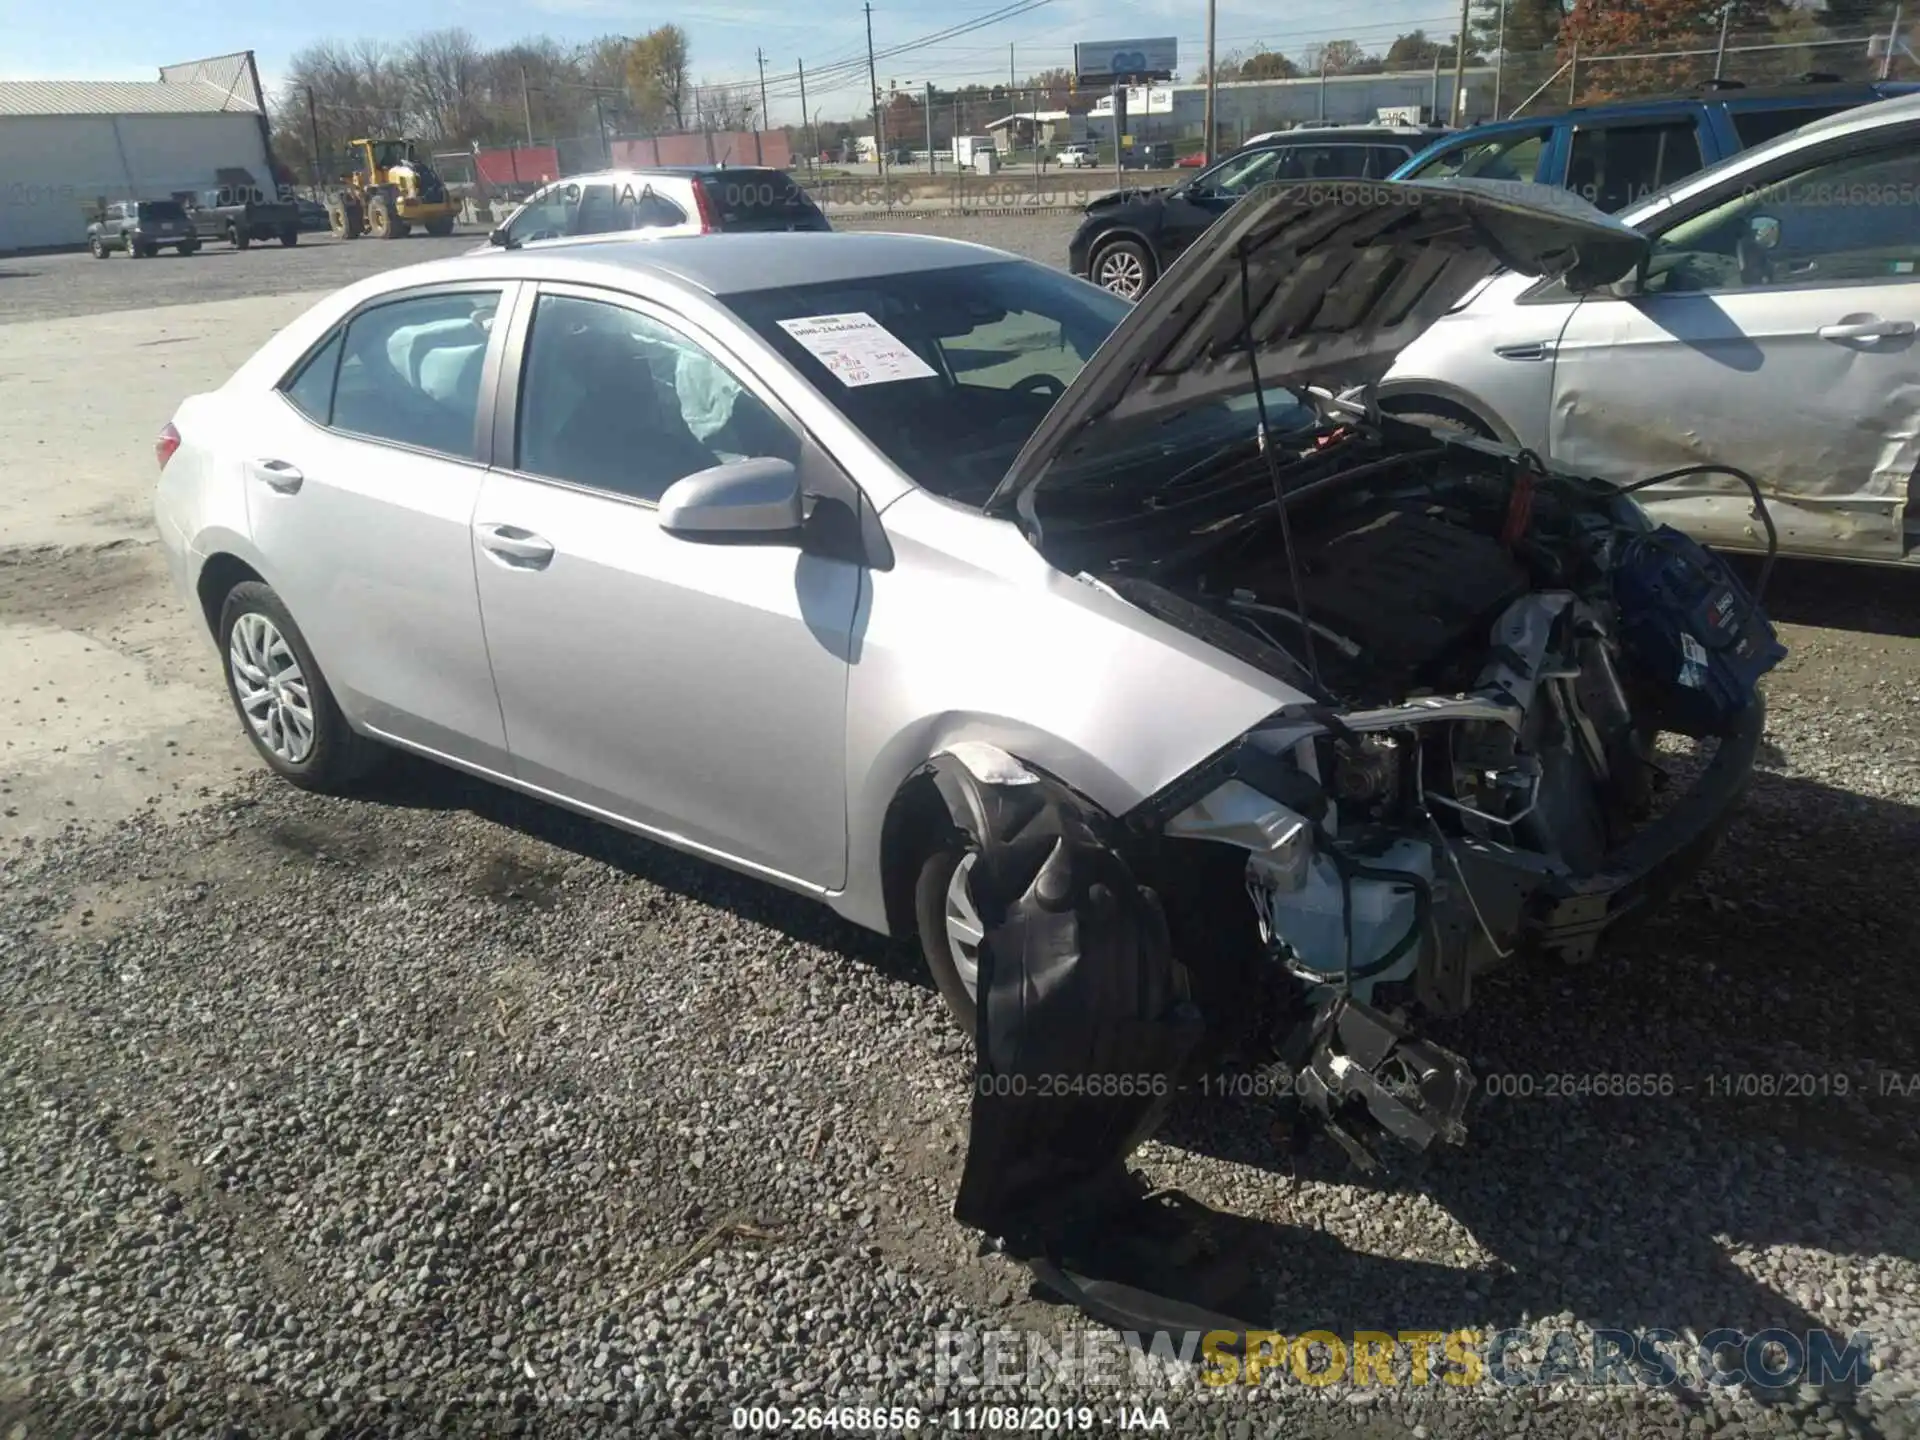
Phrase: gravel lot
pixel 52 287
pixel 438 1111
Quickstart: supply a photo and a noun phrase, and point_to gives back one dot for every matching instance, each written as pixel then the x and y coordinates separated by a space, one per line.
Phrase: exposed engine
pixel 1494 650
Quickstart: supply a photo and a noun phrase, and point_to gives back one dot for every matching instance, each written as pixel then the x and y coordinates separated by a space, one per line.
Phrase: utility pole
pixel 805 116
pixel 1012 101
pixel 759 156
pixel 873 80
pixel 932 168
pixel 1206 144
pixel 526 104
pixel 1460 59
pixel 1499 58
pixel 600 123
pixel 313 137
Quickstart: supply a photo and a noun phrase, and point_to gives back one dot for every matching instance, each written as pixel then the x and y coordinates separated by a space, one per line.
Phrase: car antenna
pixel 1273 471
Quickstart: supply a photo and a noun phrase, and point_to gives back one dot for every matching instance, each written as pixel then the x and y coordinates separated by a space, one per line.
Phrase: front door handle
pixel 1866 330
pixel 1526 350
pixel 521 549
pixel 277 474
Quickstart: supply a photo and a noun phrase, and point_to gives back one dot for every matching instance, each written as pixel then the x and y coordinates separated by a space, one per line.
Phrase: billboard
pixel 1098 62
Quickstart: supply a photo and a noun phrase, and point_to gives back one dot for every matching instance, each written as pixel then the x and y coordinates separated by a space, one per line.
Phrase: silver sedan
pixel 982 605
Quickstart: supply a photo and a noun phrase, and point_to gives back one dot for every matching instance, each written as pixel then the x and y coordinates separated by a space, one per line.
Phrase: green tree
pixel 1268 65
pixel 657 78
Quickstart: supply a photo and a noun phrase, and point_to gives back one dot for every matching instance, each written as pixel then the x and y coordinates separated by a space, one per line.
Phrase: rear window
pixel 161 210
pixel 760 200
pixel 1755 127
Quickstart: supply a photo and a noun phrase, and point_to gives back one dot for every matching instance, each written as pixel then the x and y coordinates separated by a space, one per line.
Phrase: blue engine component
pixel 1688 622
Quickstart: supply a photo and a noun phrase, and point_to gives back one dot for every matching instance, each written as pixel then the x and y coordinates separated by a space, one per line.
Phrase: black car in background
pixel 1130 237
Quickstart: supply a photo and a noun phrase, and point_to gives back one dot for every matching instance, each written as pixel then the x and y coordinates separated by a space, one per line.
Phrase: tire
pixel 238 238
pixel 441 228
pixel 290 236
pixel 97 246
pixel 930 891
pixel 1123 260
pixel 381 223
pixel 189 247
pixel 333 757
pixel 133 250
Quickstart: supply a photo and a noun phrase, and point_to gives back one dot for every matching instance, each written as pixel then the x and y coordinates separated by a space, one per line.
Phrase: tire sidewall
pixel 929 908
pixel 332 761
pixel 1148 270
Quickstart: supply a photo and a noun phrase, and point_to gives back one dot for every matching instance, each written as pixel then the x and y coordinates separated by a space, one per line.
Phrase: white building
pixel 67 147
pixel 1247 107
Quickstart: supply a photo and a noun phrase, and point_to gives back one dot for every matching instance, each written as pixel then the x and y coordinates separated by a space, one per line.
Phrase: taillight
pixel 168 442
pixel 708 224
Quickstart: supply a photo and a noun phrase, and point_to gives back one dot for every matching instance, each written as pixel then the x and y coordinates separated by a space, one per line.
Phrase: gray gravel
pixel 440 1111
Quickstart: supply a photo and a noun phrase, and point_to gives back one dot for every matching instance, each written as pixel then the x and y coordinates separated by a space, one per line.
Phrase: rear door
pixel 361 477
pixel 1190 210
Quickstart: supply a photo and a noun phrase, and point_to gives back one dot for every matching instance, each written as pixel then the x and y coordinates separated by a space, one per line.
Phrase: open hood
pixel 1339 277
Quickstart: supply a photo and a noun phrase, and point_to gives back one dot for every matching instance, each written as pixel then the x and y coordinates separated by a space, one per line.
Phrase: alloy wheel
pixel 273 692
pixel 1121 272
pixel 964 930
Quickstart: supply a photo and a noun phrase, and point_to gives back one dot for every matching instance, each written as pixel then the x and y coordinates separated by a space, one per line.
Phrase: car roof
pixel 719 265
pixel 678 171
pixel 1733 97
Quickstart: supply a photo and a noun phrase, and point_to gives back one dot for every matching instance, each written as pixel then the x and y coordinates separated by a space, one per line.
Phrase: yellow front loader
pixel 385 190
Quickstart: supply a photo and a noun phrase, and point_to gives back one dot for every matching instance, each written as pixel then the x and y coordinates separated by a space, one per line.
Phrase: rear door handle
pixel 1866 330
pixel 277 474
pixel 521 549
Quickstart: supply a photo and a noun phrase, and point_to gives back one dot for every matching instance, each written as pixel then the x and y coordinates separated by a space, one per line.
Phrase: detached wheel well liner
pixel 1412 403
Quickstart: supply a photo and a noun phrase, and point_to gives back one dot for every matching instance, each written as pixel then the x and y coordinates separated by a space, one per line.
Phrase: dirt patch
pixel 78 588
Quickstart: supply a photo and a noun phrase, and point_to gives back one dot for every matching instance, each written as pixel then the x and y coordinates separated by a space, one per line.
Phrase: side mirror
pixel 1764 231
pixel 754 501
pixel 497 236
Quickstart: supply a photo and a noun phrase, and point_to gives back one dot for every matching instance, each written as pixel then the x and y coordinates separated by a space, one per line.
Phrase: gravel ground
pixel 52 287
pixel 438 1111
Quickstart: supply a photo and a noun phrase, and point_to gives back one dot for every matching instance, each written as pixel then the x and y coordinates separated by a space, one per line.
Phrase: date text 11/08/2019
pixel 960 1419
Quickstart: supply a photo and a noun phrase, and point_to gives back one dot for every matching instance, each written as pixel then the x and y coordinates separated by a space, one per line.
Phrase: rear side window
pixel 760 200
pixel 1755 127
pixel 1323 162
pixel 310 388
pixel 610 208
pixel 1613 166
pixel 1514 155
pixel 407 371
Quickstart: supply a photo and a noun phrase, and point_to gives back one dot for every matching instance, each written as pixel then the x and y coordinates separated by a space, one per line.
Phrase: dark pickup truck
pixel 241 213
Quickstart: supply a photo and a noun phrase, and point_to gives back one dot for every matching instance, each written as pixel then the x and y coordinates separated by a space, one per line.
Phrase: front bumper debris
pixel 1411 1091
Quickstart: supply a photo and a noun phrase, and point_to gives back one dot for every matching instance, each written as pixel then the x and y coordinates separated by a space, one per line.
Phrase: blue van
pixel 1619 153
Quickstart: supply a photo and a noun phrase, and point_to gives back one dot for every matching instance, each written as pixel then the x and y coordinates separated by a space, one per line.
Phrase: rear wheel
pixel 189 247
pixel 238 236
pixel 950 928
pixel 97 246
pixel 290 235
pixel 1123 266
pixel 441 227
pixel 283 700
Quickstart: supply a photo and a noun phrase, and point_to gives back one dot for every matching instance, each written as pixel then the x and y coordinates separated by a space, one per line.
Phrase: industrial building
pixel 1247 107
pixel 68 147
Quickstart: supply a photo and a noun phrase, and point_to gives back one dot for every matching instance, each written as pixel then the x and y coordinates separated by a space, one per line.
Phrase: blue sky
pixel 130 39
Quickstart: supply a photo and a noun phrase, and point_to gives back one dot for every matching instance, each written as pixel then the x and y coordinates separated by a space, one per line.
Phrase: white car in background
pixel 1772 328
pixel 1076 157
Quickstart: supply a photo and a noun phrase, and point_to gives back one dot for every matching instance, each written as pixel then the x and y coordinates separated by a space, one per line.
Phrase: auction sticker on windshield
pixel 857 348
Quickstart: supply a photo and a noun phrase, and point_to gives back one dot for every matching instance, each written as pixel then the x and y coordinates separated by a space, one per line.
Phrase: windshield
pixel 947 372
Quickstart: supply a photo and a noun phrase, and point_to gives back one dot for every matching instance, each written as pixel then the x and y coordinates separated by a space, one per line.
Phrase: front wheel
pixel 239 238
pixel 97 246
pixel 290 236
pixel 283 700
pixel 441 228
pixel 950 929
pixel 1125 267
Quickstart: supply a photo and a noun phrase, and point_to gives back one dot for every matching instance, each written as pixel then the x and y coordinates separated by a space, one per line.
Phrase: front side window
pixel 1240 173
pixel 1849 219
pixel 1512 156
pixel 1613 166
pixel 613 399
pixel 407 371
pixel 979 354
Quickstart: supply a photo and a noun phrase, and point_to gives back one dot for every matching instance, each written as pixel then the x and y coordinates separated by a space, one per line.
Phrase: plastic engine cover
pixel 1690 625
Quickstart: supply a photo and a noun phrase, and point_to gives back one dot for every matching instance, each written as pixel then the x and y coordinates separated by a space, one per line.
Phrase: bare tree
pixel 440 73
